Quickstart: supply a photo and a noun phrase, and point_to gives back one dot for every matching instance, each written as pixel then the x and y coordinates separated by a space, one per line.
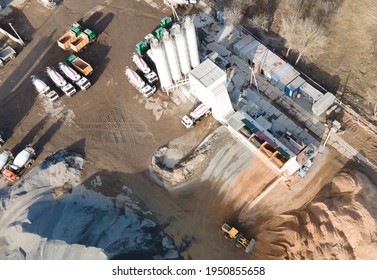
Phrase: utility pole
pixel 251 78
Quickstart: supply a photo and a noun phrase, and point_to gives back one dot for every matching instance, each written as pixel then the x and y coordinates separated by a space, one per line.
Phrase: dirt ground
pixel 118 131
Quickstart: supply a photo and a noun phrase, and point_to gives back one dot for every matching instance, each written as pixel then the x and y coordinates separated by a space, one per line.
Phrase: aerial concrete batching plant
pixel 172 57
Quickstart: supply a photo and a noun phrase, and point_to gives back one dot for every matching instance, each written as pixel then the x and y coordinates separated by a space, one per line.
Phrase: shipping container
pixel 275 76
pixel 242 43
pixel 293 87
pixel 287 78
pixel 310 92
pixel 274 64
pixel 247 53
pixel 323 103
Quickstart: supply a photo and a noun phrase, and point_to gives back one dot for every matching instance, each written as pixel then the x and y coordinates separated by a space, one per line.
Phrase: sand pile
pixel 49 215
pixel 340 223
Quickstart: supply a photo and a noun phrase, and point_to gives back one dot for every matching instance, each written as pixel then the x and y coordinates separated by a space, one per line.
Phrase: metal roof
pixel 207 73
pixel 310 91
pixel 296 83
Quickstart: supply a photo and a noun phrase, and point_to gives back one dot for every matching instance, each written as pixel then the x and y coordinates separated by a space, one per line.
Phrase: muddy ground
pixel 118 131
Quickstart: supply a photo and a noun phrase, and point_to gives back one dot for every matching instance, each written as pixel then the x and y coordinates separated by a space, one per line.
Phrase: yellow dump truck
pixel 65 40
pixel 82 66
pixel 241 241
pixel 83 40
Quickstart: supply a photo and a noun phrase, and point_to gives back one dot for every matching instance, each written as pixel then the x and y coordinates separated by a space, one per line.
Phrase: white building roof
pixel 208 73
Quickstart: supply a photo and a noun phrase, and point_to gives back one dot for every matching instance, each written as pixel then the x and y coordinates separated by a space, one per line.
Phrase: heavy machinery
pixel 21 162
pixel 6 158
pixel 65 40
pixel 83 40
pixel 80 65
pixel 44 89
pixel 145 89
pixel 235 235
pixel 60 82
pixel 143 67
pixel 194 117
pixel 75 77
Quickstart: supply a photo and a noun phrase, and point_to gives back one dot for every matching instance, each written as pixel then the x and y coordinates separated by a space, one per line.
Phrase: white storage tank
pixel 172 57
pixel 191 40
pixel 181 47
pixel 162 66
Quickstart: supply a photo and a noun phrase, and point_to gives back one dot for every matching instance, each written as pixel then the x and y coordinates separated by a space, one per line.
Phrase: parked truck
pixel 44 89
pixel 143 67
pixel 240 239
pixel 145 89
pixel 6 157
pixel 7 54
pixel 83 40
pixel 190 120
pixel 60 82
pixel 80 65
pixel 21 162
pixel 75 77
pixel 65 40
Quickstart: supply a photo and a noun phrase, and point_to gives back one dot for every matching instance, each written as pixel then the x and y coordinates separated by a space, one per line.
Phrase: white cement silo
pixel 172 56
pixel 162 66
pixel 181 46
pixel 191 40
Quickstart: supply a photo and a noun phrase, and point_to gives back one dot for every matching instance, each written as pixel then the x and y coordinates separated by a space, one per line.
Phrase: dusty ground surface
pixel 118 131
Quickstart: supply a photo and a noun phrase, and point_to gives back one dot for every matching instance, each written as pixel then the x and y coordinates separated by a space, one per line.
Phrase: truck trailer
pixel 65 40
pixel 80 65
pixel 83 40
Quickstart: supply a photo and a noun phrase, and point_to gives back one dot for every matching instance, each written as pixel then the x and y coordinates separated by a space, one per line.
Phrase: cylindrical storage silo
pixel 162 66
pixel 171 55
pixel 181 46
pixel 191 40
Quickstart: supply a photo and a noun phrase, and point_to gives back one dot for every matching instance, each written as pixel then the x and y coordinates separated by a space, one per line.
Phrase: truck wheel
pixel 29 163
pixel 13 57
pixel 226 236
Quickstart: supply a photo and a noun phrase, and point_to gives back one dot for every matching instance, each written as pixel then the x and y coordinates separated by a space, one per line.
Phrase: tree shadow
pixel 28 139
pixel 97 22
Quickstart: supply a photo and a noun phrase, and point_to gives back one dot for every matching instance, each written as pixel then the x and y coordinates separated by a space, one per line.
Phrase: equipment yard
pixel 193 177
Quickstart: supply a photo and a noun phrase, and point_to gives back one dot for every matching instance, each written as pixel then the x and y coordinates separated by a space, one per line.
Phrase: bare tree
pixel 234 10
pixel 260 22
pixel 311 40
pixel 288 30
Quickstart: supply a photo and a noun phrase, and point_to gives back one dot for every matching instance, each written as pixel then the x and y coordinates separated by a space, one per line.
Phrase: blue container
pixel 293 87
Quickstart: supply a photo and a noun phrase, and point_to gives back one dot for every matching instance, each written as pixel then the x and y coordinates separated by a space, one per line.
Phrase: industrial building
pixel 174 50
